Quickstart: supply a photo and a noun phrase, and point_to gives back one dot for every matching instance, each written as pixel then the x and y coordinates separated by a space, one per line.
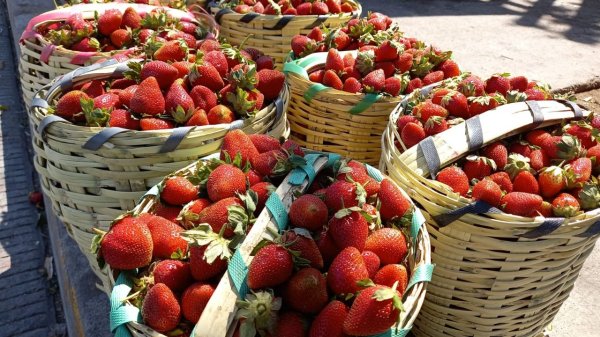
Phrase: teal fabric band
pixel 394 333
pixel 121 312
pixel 422 274
pixel 298 175
pixel 312 58
pixel 278 211
pixel 417 222
pixel 313 90
pixel 292 67
pixel 374 173
pixel 238 272
pixel 364 104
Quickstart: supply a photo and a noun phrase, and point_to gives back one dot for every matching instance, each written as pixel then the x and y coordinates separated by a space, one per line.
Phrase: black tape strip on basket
pixel 431 155
pixel 278 108
pixel 282 22
pixel 577 111
pixel 220 14
pixel 548 226
pixel 474 133
pixel 594 229
pixel 536 112
pixel 38 102
pixel 478 207
pixel 96 141
pixel 176 137
pixel 49 120
pixel 247 18
pixel 318 21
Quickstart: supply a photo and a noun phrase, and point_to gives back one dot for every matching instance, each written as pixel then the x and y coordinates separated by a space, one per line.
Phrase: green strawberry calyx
pixel 203 235
pixel 259 313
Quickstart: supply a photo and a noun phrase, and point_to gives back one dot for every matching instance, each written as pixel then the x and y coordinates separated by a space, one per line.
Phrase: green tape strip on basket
pixel 277 210
pixel 238 272
pixel 394 333
pixel 292 67
pixel 121 312
pixel 374 173
pixel 298 175
pixel 314 90
pixel 415 225
pixel 364 104
pixel 423 273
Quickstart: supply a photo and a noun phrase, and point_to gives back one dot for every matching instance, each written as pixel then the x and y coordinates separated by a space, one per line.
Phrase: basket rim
pixel 214 7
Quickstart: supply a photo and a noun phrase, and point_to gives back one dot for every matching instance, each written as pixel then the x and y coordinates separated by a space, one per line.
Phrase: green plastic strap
pixel 422 274
pixel 313 90
pixel 374 173
pixel 122 312
pixel 312 58
pixel 292 67
pixel 364 104
pixel 300 173
pixel 238 272
pixel 415 226
pixel 395 333
pixel 277 210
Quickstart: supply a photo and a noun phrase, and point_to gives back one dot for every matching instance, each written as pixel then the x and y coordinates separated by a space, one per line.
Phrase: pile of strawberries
pixel 170 3
pixel 340 270
pixel 182 248
pixel 461 98
pixel 221 85
pixel 116 30
pixel 544 172
pixel 290 7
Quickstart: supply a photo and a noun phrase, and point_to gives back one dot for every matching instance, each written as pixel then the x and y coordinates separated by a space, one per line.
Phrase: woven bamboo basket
pixel 92 174
pixel 496 274
pixel 217 319
pixel 41 61
pixel 272 33
pixel 330 120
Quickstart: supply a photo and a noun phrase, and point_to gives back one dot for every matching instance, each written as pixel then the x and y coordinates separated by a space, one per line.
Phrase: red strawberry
pixel 166 236
pixel 551 181
pixel 390 274
pixel 389 244
pixel 433 77
pixel 205 267
pixel 479 105
pixel 334 61
pixel 412 134
pixel 107 101
pixel 518 83
pixel 263 190
pixel 393 86
pixel 304 8
pixel 503 180
pixel 387 51
pixel 320 8
pixel 372 262
pixel 347 7
pixel 524 181
pixel 413 84
pixel 345 271
pixel 194 300
pixel 523 148
pixel 352 85
pixel 427 109
pixel 583 131
pixel 521 203
pixel 172 51
pixel 450 68
pixel 535 95
pixel 349 61
pixel 403 120
pixel 487 190
pixel 160 308
pixel 565 205
pixel 224 182
pixel 121 38
pixel 455 102
pixel 237 142
pixel 270 163
pixel 471 86
pixel 342 194
pixel 178 190
pixel 272 265
pixel 497 83
pixel 218 60
pixel 317 76
pixel 300 241
pixel 316 34
pixel 69 106
pixel 148 99
pixel 308 212
pixel 253 177
pixel 329 321
pixel 455 178
pixel 207 75
pixel 375 310
pixel 178 102
pixel 126 95
pixel 303 45
pixel 174 274
pixel 327 246
pixel 496 152
pixel 290 324
pixel 306 281
pixel 94 88
pixel 388 68
pixel 188 215
pixel 393 203
pixel 208 45
pixel 478 167
pixel 374 81
pixel 123 119
pixel 264 143
pixel 164 73
pixel 220 114
pixel 545 210
pixel 562 147
pixel 264 62
pixel 148 123
pixel 538 159
pixel 404 62
pixel 349 229
pixel 198 118
pixel 109 21
pixel 536 137
pixel 579 171
pixel 131 19
pixel 341 40
pixel 270 83
pixel 127 245
pixel 594 154
pixel 203 97
pixel 331 79
pixel 217 215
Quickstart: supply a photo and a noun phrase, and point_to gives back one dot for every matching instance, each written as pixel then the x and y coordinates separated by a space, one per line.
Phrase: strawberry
pixel 178 102
pixel 497 83
pixel 404 62
pixel 342 194
pixel 478 167
pixel 107 101
pixel 565 205
pixel 413 84
pixel 521 203
pixel 455 178
pixel 171 51
pixel 349 229
pixel 225 181
pixel 147 124
pixel 374 311
pixel 308 211
pixel 545 210
pixel 290 324
pixel 126 95
pixel 412 134
pixel 148 99
pixel 481 104
pixel 242 9
pixel 389 244
pixel 220 114
pixel 389 274
pixel 178 190
pixel 203 97
pixel 272 265
pixel 403 120
pixel 331 79
pixel 562 147
pixel 198 118
pixel 374 81
pixel 87 44
pixel 349 61
pixel 345 271
pixel 292 147
pixel 427 109
pixel 304 8
pixel 583 131
pixel 302 45
pixel 387 51
pixel 194 300
pixel 358 172
pixel 122 119
pixel 340 40
pixel 496 152
pixel 121 38
pixel 433 77
pixel 264 143
pixel 217 215
pixel 523 148
pixel 131 19
pixel 471 86
pixel 487 190
pixel 578 171
pixel 237 142
pixel 393 86
pixel 372 262
pixel 516 164
pixel 329 322
pixel 188 215
pixel 347 7
pixel 454 101
pixel 299 240
pixel 551 181
pixel 518 83
pixel 538 159
pixel 535 95
pixel 263 191
pixel 201 268
pixel 270 83
pixel 503 180
pixel 449 68
pixel 160 309
pixel 317 76
pixel 93 88
pixel 109 21
pixel 306 281
pixel 387 66
pixel 127 245
pixel 393 203
pixel 594 154
pixel 319 8
pixel 218 60
pixel 174 274
pixel 270 163
pixel 208 45
pixel 526 182
pixel 253 177
pixel 352 85
pixel 334 61
pixel 536 137
pixel 69 106
pixel 207 75
pixel 166 238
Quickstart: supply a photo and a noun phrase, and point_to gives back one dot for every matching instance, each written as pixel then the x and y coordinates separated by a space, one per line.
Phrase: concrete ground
pixel 555 41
